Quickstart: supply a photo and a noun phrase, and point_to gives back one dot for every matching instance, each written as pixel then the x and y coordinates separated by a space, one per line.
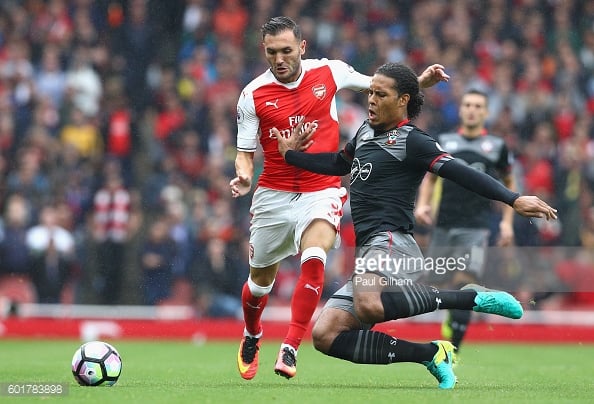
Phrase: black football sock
pixel 459 320
pixel 412 299
pixel 376 348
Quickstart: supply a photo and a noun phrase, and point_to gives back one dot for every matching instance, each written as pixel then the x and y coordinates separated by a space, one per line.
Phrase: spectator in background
pixel 8 139
pixel 134 45
pixel 83 85
pixel 16 73
pixel 111 214
pixel 170 120
pixel 163 173
pixel 82 133
pixel 52 24
pixel 229 21
pixel 120 133
pixel 53 258
pixel 15 261
pixel 73 179
pixel 217 274
pixel 157 254
pixel 28 179
pixel 179 230
pixel 188 156
pixel 50 78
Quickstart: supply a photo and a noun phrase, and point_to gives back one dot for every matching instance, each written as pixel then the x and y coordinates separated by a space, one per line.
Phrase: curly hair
pixel 276 25
pixel 406 82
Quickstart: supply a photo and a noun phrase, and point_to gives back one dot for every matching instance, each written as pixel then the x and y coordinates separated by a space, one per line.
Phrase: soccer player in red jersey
pixel 293 210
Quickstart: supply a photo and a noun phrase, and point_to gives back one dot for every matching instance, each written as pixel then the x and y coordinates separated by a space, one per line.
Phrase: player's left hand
pixel 506 234
pixel 300 138
pixel 433 75
pixel 533 206
pixel 423 215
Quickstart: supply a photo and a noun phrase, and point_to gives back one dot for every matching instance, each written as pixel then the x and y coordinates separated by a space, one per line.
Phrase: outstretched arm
pixel 320 163
pixel 487 186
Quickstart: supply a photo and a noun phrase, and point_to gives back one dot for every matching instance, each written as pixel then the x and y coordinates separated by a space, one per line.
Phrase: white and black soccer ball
pixel 96 363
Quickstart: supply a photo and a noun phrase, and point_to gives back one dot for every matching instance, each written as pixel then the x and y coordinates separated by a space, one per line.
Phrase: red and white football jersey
pixel 266 103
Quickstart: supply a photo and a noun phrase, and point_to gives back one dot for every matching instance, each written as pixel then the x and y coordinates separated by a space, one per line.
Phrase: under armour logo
pixel 272 104
pixel 438 301
pixel 391 357
pixel 316 289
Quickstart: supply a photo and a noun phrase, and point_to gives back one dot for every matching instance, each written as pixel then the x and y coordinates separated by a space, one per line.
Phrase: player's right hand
pixel 533 206
pixel 300 139
pixel 240 186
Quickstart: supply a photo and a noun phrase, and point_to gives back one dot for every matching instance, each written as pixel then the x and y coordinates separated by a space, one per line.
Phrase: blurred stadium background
pixel 117 125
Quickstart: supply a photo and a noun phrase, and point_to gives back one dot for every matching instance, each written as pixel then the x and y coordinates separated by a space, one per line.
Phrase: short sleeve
pixel 248 123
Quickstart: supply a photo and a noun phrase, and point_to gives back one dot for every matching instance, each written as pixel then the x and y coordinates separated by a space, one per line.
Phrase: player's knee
pixel 322 337
pixel 257 290
pixel 368 308
pixel 329 324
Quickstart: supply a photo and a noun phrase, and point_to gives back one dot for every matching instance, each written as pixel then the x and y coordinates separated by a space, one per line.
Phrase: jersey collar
pixel 399 125
pixel 483 132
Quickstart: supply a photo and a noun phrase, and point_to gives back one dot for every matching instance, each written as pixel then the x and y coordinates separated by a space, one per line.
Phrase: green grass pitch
pixel 182 372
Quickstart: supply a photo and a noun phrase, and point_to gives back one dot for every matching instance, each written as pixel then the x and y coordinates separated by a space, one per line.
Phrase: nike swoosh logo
pixel 242 367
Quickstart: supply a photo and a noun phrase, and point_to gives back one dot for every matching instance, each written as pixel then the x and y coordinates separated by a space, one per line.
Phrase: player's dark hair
pixel 474 91
pixel 276 25
pixel 406 82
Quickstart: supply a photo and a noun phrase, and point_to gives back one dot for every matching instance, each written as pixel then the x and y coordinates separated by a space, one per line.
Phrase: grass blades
pixel 182 372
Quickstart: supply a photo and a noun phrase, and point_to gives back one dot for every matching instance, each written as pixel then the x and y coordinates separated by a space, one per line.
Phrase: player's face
pixel 283 53
pixel 386 108
pixel 473 111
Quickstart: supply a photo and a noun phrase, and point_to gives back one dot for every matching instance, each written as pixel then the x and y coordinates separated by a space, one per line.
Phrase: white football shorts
pixel 279 219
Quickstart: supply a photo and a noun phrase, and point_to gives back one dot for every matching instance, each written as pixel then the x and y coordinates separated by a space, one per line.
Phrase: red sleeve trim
pixel 436 159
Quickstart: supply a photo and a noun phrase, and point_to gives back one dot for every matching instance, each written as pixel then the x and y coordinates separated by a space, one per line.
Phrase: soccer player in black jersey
pixel 387 160
pixel 463 222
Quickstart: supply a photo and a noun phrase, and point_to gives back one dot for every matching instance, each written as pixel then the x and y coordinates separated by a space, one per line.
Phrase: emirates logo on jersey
pixel 319 91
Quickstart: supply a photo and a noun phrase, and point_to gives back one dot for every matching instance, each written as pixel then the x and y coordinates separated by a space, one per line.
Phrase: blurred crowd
pixel 117 130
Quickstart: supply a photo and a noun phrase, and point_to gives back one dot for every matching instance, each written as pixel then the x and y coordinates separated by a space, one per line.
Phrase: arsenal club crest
pixel 319 90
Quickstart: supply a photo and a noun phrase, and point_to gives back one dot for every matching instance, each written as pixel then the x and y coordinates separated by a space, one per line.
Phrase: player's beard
pixel 288 74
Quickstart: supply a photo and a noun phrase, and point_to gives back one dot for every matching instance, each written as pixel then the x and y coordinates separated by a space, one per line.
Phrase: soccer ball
pixel 96 363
